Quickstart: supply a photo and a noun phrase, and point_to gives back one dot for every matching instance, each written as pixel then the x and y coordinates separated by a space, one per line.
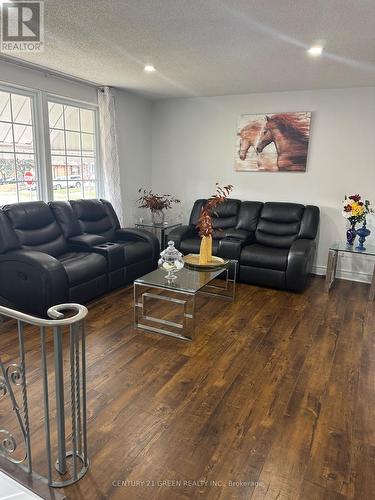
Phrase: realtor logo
pixel 22 26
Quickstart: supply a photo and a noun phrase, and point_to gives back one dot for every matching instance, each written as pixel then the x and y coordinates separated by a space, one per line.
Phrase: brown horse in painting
pixel 249 137
pixel 290 134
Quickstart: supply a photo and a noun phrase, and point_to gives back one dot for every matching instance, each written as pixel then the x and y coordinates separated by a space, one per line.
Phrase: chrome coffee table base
pixel 175 302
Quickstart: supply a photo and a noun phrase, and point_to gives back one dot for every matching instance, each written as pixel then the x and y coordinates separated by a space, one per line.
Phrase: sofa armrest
pixel 128 234
pixel 230 248
pixel 32 281
pixel 300 260
pixel 240 234
pixel 85 241
pixel 181 233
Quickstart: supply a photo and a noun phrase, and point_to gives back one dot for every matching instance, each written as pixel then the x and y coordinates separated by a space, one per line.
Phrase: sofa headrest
pixel 66 218
pixel 196 211
pixel 8 238
pixel 36 227
pixel 229 208
pixel 29 215
pixel 282 212
pixel 95 218
pixel 89 210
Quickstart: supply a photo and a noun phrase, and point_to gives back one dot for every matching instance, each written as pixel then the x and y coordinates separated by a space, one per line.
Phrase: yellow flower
pixel 357 209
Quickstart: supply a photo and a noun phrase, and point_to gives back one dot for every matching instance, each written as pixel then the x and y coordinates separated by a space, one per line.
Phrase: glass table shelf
pixel 342 246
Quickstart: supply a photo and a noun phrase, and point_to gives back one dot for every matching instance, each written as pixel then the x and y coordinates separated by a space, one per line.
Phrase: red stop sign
pixel 28 178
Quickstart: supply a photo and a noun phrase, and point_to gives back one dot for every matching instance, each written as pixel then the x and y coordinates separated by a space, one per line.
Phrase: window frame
pixel 83 105
pixel 36 139
pixel 41 135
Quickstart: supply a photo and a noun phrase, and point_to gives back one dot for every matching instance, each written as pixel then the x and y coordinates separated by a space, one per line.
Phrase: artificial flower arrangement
pixel 156 203
pixel 205 221
pixel 355 210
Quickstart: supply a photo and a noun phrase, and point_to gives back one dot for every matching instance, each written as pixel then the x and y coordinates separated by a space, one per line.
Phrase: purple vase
pixel 351 233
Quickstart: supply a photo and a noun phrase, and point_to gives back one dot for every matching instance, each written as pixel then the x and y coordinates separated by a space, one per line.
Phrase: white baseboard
pixel 344 274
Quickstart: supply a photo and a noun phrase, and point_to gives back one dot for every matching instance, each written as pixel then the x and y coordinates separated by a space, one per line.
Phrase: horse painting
pixel 277 142
pixel 249 136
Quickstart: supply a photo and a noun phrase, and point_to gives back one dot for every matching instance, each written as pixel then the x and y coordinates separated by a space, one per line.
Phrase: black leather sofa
pixel 273 242
pixel 67 252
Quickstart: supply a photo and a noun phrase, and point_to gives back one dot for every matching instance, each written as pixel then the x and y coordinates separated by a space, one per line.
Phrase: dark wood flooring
pixel 274 399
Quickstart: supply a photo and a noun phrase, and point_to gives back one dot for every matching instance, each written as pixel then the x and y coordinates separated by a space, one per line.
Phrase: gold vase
pixel 205 252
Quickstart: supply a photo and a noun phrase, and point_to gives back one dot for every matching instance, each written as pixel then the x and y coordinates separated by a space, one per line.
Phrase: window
pixel 73 151
pixel 18 173
pixel 67 166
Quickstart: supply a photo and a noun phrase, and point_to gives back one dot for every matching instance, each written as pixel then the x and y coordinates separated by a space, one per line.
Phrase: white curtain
pixel 109 151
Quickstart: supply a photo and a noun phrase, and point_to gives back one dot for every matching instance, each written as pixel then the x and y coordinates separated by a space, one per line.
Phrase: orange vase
pixel 205 252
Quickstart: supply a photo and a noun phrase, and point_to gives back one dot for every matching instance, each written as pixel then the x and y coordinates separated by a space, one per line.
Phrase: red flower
pixel 355 197
pixel 347 208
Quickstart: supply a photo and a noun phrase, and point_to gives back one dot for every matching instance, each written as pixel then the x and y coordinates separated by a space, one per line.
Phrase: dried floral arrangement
pixel 205 219
pixel 155 202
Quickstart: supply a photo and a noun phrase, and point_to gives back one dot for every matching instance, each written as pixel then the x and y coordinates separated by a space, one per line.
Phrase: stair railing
pixel 71 465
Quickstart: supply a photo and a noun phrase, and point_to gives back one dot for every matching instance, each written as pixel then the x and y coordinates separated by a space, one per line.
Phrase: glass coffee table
pixel 334 250
pixel 168 307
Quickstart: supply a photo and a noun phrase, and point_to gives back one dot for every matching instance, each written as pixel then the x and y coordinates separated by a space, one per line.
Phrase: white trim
pixel 37 145
pixel 82 105
pixel 45 138
pixel 344 274
pixel 59 99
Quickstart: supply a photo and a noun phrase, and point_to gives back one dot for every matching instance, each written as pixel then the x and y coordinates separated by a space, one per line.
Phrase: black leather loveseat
pixel 274 242
pixel 67 252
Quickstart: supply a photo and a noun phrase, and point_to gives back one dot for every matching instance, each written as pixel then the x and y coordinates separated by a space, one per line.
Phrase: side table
pixel 160 230
pixel 332 263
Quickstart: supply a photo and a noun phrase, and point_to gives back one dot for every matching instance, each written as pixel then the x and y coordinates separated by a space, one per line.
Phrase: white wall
pixel 194 141
pixel 134 127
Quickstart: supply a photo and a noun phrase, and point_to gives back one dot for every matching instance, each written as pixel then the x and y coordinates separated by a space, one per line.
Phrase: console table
pixel 332 263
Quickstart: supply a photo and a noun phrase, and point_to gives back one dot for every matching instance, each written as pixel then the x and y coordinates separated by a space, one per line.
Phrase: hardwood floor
pixel 274 399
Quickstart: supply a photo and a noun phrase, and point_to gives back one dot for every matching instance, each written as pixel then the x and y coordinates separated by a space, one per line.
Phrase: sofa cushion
pixel 36 227
pixel 225 215
pixel 82 267
pixel 279 224
pixel 266 257
pixel 135 251
pixel 192 245
pixel 94 218
pixel 282 212
pixel 248 215
pixel 196 211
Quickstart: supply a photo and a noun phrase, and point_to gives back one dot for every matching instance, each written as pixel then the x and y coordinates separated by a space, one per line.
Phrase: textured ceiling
pixel 211 47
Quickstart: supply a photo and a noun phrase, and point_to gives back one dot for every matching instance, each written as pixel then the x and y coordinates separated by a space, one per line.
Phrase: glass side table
pixel 332 263
pixel 160 230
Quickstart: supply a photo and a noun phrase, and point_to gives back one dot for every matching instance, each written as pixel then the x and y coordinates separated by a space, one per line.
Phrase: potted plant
pixel 205 221
pixel 355 211
pixel 156 203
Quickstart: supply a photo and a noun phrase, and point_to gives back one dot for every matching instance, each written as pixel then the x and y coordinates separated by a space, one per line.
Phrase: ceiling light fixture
pixel 315 51
pixel 149 68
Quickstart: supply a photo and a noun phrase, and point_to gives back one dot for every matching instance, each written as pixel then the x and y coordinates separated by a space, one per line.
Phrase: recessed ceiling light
pixel 315 51
pixel 149 68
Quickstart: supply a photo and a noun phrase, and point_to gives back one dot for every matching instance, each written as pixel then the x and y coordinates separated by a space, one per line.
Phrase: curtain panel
pixel 109 151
